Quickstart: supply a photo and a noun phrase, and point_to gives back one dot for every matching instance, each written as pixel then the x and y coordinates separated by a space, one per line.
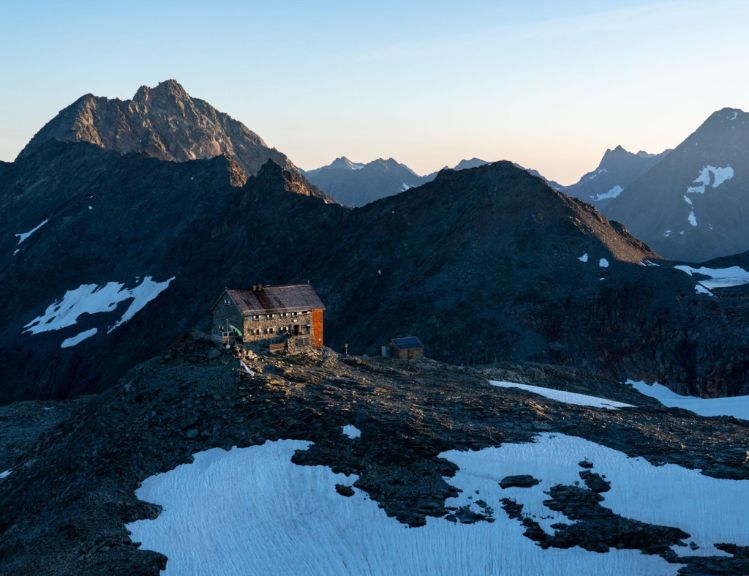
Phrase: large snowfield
pixel 736 406
pixel 251 511
pixel 95 299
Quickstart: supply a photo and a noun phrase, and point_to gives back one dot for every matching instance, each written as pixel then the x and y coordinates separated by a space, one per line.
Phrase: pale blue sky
pixel 548 84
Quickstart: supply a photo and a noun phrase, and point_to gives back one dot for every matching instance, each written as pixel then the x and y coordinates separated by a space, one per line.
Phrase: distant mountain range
pixel 356 184
pixel 690 203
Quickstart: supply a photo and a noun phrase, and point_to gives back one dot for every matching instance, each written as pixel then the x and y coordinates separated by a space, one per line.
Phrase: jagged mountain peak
pixel 343 163
pixel 619 154
pixel 465 164
pixel 272 175
pixel 162 121
pixel 167 87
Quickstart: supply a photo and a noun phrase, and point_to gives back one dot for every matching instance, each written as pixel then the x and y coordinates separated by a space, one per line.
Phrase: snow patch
pixel 563 396
pixel 736 406
pixel 351 431
pixel 95 299
pixel 613 193
pixel 692 218
pixel 718 277
pixel 78 338
pixel 700 289
pixel 246 368
pixel 142 294
pixel 712 176
pixel 23 236
pixel 597 173
pixel 404 186
pixel 583 258
pixel 5 474
pixel 252 511
pixel 603 263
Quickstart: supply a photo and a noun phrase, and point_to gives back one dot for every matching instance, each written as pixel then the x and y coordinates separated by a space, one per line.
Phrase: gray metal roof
pixel 269 299
pixel 407 342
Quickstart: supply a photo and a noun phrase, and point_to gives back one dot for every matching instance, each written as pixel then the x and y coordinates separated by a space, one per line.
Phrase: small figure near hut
pixel 286 317
pixel 406 348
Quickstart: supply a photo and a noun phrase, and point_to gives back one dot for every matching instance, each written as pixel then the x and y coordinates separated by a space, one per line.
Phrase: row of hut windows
pixel 281 315
pixel 283 329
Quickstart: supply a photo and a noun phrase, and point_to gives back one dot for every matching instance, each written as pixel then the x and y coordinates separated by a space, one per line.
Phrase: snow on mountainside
pixel 124 251
pixel 93 299
pixel 694 203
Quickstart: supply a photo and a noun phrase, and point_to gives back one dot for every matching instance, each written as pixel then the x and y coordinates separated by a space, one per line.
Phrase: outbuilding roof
pixel 270 299
pixel 406 343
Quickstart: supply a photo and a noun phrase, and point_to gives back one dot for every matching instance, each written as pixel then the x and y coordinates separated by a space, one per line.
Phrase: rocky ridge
pixel 491 252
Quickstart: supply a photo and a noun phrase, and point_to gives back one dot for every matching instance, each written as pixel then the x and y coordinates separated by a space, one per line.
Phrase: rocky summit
pixel 164 122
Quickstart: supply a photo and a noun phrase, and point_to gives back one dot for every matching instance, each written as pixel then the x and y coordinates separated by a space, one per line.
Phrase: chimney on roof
pixel 257 287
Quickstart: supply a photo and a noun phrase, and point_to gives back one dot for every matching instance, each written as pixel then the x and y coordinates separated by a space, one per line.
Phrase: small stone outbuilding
pixel 287 317
pixel 406 348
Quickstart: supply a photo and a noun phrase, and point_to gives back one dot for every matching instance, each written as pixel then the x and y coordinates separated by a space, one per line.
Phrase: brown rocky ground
pixel 63 509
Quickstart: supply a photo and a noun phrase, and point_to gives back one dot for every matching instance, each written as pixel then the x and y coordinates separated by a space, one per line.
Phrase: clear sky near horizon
pixel 546 83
